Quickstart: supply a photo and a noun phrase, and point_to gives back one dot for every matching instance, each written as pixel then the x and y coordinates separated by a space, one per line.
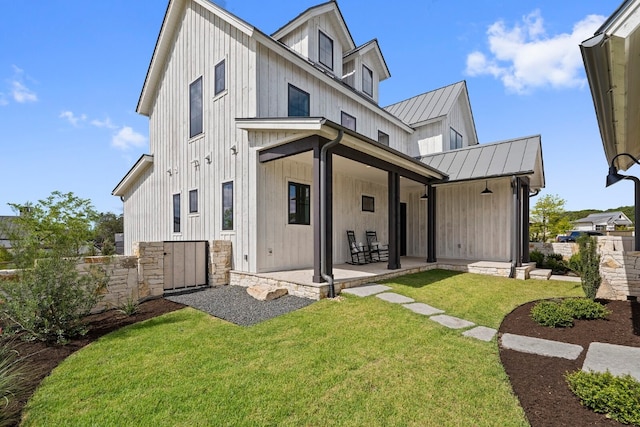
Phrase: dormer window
pixel 455 139
pixel 367 80
pixel 325 50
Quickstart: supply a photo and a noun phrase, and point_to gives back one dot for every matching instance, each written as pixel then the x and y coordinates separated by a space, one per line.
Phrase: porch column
pixel 431 224
pixel 516 223
pixel 525 220
pixel 394 220
pixel 316 203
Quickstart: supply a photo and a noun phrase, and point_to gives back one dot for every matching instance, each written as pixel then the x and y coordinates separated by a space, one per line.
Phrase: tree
pixel 50 297
pixel 107 225
pixel 547 218
pixel 589 265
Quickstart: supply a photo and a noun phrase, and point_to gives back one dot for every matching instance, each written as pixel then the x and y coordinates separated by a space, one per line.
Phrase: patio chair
pixel 359 254
pixel 377 251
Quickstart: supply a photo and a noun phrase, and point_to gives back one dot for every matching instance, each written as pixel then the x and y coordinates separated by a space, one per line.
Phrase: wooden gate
pixel 185 264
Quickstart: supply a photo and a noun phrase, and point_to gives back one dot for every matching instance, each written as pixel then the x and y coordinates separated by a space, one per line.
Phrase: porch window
pixel 193 201
pixel 325 50
pixel 299 203
pixel 219 83
pixel 367 80
pixel 298 102
pixel 383 138
pixel 455 140
pixel 348 121
pixel 227 205
pixel 195 108
pixel 368 204
pixel 176 213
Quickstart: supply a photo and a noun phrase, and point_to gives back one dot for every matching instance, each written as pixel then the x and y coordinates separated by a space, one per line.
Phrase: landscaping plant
pixel 562 314
pixel 617 397
pixel 589 265
pixel 13 377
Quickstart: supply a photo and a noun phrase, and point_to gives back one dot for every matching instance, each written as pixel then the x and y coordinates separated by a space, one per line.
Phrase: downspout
pixel 515 240
pixel 323 212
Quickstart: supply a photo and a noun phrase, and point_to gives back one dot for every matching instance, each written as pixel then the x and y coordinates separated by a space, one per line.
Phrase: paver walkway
pixel 617 359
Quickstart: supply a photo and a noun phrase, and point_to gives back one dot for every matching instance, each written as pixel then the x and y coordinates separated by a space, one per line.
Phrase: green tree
pixel 107 225
pixel 547 218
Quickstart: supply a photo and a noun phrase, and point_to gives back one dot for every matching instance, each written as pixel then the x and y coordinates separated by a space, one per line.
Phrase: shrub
pixel 13 380
pixel 537 257
pixel 617 397
pixel 48 302
pixel 582 308
pixel 129 307
pixel 589 265
pixel 555 257
pixel 556 266
pixel 575 264
pixel 550 313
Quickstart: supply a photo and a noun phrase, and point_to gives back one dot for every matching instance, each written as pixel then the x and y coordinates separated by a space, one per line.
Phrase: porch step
pixel 540 273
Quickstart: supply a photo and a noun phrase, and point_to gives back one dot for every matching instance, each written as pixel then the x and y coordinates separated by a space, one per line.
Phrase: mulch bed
pixel 537 381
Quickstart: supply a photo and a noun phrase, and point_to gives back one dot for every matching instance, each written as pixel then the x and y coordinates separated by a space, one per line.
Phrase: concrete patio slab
pixel 617 359
pixel 481 333
pixel 541 347
pixel 452 322
pixel 366 290
pixel 394 298
pixel 421 308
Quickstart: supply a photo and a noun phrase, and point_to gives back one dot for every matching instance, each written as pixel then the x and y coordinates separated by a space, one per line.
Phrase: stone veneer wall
pixel 219 262
pixel 619 265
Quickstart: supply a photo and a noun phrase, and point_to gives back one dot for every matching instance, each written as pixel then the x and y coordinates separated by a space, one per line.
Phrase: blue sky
pixel 71 73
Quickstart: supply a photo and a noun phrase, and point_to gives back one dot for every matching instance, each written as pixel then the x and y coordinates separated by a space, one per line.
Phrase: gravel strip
pixel 234 304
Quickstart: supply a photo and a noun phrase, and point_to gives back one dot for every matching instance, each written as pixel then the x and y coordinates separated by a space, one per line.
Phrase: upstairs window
pixel 195 108
pixel 219 78
pixel 348 121
pixel 193 201
pixel 299 203
pixel 298 102
pixel 383 138
pixel 367 80
pixel 176 213
pixel 325 50
pixel 455 140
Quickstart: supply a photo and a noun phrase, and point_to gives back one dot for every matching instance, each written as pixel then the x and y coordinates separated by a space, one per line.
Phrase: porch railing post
pixel 394 220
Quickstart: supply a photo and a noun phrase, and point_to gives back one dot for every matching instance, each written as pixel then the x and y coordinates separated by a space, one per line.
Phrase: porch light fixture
pixel 486 190
pixel 614 177
pixel 424 196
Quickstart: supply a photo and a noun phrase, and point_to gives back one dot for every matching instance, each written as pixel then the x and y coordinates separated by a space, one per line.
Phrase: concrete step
pixel 540 273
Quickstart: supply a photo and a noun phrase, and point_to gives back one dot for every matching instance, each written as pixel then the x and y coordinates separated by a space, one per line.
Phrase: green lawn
pixel 358 361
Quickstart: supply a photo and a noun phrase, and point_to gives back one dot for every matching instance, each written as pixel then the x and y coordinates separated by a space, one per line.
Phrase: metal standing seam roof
pixel 429 105
pixel 504 158
pixel 599 218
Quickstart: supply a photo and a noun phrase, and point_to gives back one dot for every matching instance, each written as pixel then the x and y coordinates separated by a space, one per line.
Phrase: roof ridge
pixel 425 93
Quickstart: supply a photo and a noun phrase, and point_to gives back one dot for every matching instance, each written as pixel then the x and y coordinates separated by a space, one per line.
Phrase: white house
pixel 255 138
pixel 606 221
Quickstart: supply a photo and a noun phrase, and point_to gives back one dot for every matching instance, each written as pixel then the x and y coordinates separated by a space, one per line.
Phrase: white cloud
pixel 72 118
pixel 525 58
pixel 19 91
pixel 127 138
pixel 106 123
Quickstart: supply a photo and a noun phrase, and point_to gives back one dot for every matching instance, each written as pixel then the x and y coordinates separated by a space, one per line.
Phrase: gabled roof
pixel 428 106
pixel 371 48
pixel 521 156
pixel 136 170
pixel 618 218
pixel 330 7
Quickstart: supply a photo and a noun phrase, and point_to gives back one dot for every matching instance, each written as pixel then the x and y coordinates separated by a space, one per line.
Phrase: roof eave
pixel 136 170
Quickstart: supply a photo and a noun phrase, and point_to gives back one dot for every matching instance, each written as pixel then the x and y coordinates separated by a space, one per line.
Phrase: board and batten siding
pixel 472 226
pixel 202 41
pixel 460 121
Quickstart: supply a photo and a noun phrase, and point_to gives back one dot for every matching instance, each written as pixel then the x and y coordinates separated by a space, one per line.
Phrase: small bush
pixel 575 264
pixel 589 265
pixel 556 266
pixel 129 307
pixel 555 257
pixel 550 313
pixel 13 379
pixel 582 308
pixel 537 257
pixel 617 397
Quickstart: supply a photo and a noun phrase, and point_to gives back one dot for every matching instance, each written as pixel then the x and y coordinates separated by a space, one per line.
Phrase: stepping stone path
pixel 541 347
pixel 380 291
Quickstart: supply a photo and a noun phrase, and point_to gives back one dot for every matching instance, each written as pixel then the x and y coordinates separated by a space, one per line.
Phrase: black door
pixel 403 229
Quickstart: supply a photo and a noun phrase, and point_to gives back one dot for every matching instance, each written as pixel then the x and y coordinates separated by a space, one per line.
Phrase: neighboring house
pixel 6 222
pixel 242 126
pixel 606 221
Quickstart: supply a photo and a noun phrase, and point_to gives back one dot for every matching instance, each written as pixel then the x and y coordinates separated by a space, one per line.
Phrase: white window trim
pixel 226 78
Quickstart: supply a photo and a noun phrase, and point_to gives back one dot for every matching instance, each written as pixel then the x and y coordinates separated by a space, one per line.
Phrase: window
pixel 298 102
pixel 455 140
pixel 368 204
pixel 227 205
pixel 195 108
pixel 193 201
pixel 348 121
pixel 367 80
pixel 219 82
pixel 325 50
pixel 383 138
pixel 176 213
pixel 299 203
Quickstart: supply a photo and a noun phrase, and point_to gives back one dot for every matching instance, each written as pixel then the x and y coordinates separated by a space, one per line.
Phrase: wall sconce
pixel 614 177
pixel 208 158
pixel 234 150
pixel 486 190
pixel 425 196
pixel 196 163
pixel 170 171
